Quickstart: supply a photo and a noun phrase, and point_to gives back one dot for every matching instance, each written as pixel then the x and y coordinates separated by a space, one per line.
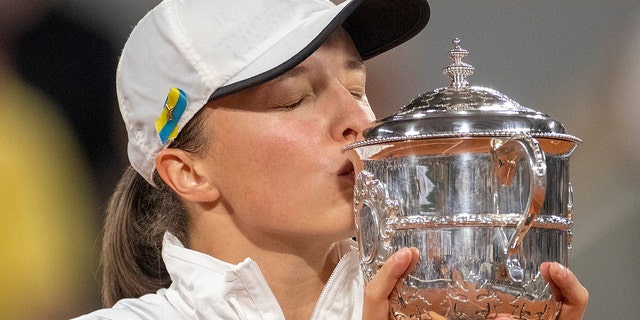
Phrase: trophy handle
pixel 506 155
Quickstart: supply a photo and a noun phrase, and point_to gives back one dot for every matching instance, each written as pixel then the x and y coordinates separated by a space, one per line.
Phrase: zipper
pixel 352 300
pixel 236 305
pixel 336 271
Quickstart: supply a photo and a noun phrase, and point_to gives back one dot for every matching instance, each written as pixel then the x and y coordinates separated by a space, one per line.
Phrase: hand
pixel 567 289
pixel 390 276
pixel 564 285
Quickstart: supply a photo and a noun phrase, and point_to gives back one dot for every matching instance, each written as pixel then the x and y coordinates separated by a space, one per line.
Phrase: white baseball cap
pixel 184 53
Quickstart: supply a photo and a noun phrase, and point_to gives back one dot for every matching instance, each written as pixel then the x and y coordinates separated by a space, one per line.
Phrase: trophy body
pixel 480 185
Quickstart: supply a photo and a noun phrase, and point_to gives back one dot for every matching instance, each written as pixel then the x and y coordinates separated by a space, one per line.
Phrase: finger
pixel 570 292
pixel 376 296
pixel 415 255
pixel 391 272
pixel 545 270
pixel 575 296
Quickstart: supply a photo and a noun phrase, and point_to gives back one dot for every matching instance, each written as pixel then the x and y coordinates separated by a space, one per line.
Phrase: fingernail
pixel 401 254
pixel 561 269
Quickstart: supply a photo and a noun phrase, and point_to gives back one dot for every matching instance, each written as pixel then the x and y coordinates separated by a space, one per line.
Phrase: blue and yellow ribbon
pixel 167 122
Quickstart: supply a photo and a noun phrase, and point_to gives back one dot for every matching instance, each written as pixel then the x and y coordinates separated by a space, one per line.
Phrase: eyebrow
pixel 296 71
pixel 352 64
pixel 355 65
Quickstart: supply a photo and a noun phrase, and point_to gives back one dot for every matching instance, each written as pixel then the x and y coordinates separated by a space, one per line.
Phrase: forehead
pixel 341 50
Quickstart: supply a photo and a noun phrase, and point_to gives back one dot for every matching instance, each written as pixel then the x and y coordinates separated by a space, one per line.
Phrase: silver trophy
pixel 480 185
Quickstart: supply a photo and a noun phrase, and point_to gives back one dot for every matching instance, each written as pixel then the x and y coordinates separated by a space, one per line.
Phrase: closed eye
pixel 358 94
pixel 293 105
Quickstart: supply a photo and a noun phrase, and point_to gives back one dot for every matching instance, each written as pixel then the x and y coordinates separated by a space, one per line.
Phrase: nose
pixel 351 116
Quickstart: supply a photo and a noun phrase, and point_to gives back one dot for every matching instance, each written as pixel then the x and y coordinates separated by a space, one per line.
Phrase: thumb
pixel 377 292
pixel 566 289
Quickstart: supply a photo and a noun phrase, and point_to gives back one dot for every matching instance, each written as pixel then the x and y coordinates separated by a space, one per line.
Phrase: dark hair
pixel 137 216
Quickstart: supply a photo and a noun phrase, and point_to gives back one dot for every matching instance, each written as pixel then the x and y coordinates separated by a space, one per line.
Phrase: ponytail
pixel 137 217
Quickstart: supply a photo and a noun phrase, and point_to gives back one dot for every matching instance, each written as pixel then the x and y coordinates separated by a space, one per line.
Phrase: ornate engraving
pixel 372 208
pixel 465 300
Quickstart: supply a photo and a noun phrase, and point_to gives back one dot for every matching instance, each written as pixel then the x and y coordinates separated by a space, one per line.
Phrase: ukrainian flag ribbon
pixel 167 122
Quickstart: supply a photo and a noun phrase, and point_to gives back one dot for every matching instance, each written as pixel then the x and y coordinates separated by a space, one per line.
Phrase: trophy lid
pixel 461 110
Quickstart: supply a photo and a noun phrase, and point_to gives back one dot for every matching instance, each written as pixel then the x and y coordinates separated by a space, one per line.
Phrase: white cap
pixel 184 53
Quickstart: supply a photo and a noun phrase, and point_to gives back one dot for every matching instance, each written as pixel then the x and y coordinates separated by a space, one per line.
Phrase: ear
pixel 180 170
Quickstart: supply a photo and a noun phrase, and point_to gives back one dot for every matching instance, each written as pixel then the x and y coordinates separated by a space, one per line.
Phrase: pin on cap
pixel 167 122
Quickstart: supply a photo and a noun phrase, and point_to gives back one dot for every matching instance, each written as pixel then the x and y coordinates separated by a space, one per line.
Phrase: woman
pixel 247 195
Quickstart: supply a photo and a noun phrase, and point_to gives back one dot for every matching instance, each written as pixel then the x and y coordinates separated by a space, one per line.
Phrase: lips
pixel 347 170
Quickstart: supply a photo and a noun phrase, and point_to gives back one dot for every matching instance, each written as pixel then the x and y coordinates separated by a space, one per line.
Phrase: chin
pixel 349 231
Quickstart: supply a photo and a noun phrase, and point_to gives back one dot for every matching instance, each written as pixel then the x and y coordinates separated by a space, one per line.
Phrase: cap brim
pixel 379 25
pixel 374 25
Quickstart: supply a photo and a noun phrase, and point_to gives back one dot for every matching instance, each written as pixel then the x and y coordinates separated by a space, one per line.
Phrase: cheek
pixel 280 147
pixel 266 159
pixel 270 178
pixel 287 165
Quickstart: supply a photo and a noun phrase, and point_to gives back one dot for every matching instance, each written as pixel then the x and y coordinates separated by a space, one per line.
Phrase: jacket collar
pixel 203 286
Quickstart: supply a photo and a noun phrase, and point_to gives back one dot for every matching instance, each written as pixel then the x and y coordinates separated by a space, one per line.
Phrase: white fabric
pixel 206 288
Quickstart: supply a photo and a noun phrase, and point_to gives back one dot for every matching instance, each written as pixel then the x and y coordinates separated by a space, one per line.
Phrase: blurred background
pixel 63 144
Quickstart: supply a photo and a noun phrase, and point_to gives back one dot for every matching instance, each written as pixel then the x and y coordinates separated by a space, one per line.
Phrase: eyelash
pixel 293 105
pixel 356 95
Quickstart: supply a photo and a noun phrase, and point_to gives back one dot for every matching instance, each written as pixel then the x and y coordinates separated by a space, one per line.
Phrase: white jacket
pixel 206 288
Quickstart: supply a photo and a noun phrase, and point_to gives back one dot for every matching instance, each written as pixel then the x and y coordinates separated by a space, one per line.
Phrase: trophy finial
pixel 458 70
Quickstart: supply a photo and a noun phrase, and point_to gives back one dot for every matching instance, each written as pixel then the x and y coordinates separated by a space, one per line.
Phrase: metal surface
pixel 463 110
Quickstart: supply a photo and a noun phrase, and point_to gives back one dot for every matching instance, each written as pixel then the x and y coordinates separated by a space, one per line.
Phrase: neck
pixel 298 282
pixel 296 268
